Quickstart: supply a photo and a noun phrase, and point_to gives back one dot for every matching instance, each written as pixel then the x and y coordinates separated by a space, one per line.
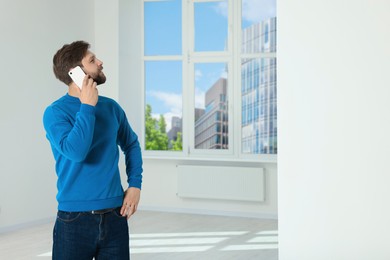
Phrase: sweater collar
pixel 71 98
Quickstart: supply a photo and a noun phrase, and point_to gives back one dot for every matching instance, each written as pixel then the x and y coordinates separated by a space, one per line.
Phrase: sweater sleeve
pixel 128 142
pixel 71 139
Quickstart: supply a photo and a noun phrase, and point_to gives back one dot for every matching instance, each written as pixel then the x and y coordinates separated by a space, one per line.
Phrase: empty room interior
pixel 263 124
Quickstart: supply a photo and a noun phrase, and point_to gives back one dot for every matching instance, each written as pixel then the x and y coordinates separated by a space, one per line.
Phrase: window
pixel 163 75
pixel 210 78
pixel 163 85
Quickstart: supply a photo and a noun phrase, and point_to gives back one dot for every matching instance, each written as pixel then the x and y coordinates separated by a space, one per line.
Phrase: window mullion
pixel 236 67
pixel 188 84
pixel 186 121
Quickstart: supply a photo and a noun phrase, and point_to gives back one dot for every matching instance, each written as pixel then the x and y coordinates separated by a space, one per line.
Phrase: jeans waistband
pixel 97 212
pixel 101 211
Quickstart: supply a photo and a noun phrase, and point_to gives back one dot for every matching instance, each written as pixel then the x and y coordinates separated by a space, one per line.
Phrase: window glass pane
pixel 259 112
pixel 211 26
pixel 211 106
pixel 258 26
pixel 163 28
pixel 163 111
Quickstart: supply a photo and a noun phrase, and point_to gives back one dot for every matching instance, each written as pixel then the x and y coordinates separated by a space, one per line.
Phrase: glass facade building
pixel 259 90
pixel 211 125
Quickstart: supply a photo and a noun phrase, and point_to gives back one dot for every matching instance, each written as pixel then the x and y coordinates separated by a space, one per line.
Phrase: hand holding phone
pixel 77 75
pixel 89 95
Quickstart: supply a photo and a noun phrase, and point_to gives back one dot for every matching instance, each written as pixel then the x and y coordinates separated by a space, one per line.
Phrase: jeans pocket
pixel 117 213
pixel 68 216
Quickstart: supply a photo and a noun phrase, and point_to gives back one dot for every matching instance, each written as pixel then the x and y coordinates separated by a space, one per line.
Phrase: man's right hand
pixel 89 93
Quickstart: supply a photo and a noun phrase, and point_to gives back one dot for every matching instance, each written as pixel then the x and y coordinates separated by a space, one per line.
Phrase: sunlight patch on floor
pixel 189 234
pixel 264 240
pixel 197 242
pixel 178 241
pixel 250 247
pixel 182 249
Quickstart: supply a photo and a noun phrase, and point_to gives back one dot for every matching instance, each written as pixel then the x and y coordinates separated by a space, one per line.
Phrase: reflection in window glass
pixel 163 26
pixel 163 111
pixel 211 106
pixel 211 26
pixel 259 112
pixel 258 26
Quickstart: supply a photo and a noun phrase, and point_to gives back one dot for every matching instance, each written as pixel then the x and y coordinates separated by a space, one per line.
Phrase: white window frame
pixel 232 57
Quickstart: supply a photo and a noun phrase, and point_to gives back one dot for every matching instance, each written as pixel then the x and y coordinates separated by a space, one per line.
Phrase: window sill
pixel 229 161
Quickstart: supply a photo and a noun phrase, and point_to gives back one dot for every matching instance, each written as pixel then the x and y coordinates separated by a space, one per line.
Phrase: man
pixel 84 131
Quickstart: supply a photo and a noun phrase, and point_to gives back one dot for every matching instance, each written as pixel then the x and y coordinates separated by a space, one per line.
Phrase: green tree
pixel 155 131
pixel 178 144
pixel 162 125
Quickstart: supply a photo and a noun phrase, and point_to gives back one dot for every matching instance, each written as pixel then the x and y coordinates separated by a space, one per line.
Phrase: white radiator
pixel 217 182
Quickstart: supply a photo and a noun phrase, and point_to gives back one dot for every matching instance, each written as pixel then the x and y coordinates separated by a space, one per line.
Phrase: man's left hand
pixel 130 202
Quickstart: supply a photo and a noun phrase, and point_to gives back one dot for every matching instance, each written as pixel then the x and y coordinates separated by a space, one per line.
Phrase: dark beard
pixel 100 79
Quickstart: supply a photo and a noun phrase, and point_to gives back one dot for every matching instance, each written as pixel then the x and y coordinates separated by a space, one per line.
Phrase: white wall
pixel 31 32
pixel 106 45
pixel 333 93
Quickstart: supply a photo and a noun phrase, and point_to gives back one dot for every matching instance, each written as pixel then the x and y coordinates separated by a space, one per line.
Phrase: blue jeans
pixel 84 235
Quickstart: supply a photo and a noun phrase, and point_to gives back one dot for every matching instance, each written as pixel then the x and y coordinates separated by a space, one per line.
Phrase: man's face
pixel 93 67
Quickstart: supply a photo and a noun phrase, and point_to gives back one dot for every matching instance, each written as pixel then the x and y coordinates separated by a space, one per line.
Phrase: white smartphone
pixel 77 75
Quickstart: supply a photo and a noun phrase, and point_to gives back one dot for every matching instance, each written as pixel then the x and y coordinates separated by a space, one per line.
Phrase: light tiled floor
pixel 161 235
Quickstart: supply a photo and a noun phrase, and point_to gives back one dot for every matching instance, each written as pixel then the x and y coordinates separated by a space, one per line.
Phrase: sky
pixel 163 34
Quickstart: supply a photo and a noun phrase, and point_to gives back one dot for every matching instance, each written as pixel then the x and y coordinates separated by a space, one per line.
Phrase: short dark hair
pixel 69 56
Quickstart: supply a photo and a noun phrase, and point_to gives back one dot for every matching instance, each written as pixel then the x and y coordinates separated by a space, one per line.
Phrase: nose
pixel 99 62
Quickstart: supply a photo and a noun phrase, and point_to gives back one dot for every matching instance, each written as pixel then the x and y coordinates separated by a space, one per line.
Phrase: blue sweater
pixel 84 140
